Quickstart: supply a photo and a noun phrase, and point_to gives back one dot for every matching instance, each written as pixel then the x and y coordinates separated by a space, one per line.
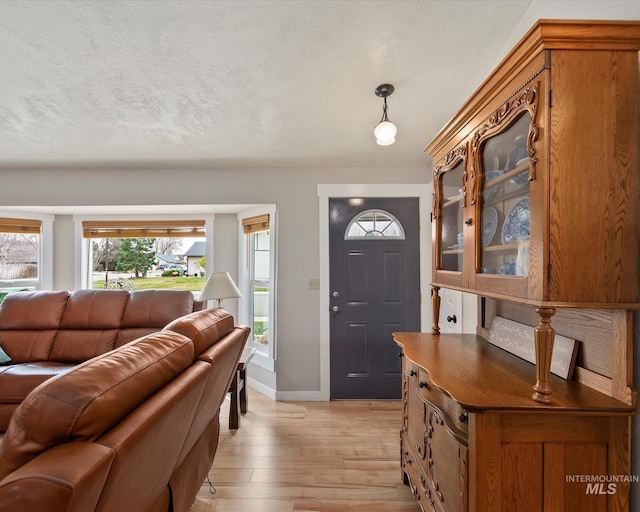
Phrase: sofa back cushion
pixel 28 323
pixel 89 325
pixel 84 403
pixel 79 345
pixel 95 309
pixel 156 308
pixel 205 328
pixel 149 311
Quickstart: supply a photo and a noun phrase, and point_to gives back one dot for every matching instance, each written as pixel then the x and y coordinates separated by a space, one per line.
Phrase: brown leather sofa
pixel 132 430
pixel 46 333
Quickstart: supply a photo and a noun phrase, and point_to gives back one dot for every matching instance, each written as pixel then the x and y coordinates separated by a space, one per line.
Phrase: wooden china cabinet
pixel 536 212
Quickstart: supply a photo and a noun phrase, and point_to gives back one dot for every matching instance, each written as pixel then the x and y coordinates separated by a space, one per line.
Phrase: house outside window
pixel 257 282
pixel 25 254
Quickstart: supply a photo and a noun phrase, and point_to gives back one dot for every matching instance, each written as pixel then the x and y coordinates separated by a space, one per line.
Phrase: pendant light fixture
pixel 386 131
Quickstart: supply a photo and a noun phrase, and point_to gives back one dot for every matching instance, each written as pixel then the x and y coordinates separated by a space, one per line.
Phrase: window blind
pixel 255 224
pixel 22 226
pixel 143 229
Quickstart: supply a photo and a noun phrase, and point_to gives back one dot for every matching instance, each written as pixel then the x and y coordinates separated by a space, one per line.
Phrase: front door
pixel 375 291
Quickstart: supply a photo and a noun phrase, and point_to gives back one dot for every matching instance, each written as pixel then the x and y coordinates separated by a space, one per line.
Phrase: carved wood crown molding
pixel 524 99
pixel 450 159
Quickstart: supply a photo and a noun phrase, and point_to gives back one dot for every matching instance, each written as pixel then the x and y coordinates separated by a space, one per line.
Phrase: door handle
pixel 335 309
pixel 452 319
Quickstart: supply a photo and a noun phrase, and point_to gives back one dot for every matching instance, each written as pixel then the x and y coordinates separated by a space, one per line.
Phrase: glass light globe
pixel 385 142
pixel 385 133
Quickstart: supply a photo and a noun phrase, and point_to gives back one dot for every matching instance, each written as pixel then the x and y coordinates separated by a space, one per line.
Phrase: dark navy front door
pixel 375 291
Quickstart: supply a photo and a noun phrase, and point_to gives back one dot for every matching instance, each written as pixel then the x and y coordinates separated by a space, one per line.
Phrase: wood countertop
pixel 480 377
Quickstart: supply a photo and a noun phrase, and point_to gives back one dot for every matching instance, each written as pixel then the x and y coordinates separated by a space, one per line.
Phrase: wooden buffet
pixel 536 212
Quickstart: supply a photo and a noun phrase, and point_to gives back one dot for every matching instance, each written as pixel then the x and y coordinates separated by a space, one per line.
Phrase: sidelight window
pixel 257 281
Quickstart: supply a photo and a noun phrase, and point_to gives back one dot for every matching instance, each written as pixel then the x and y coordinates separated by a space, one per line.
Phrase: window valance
pixel 143 229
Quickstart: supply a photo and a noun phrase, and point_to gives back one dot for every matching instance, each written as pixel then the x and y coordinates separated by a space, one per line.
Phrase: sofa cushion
pixel 26 346
pixel 79 345
pixel 95 309
pixel 204 328
pixel 89 325
pixel 18 380
pixel 149 311
pixel 35 310
pixel 132 333
pixel 85 402
pixel 156 308
pixel 28 323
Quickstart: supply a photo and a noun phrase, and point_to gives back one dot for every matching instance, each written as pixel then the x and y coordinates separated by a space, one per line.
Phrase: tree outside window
pixel 136 255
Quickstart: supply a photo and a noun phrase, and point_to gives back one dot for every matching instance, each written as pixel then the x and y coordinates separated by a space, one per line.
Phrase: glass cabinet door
pixel 503 245
pixel 450 233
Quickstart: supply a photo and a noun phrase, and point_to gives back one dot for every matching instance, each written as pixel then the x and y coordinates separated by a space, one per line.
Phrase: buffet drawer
pixel 455 416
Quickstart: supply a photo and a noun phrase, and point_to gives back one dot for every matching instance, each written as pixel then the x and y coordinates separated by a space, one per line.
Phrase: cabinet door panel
pixel 450 210
pixel 504 160
pixel 598 203
pixel 417 412
pixel 522 477
pixel 442 452
pixel 590 460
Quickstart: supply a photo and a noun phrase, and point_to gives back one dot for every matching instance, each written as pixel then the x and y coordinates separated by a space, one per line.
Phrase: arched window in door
pixel 374 224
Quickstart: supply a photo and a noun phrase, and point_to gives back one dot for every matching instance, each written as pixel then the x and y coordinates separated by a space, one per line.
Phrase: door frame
pixel 325 191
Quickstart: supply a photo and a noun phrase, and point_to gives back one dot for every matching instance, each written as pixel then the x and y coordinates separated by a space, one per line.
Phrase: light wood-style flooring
pixel 339 456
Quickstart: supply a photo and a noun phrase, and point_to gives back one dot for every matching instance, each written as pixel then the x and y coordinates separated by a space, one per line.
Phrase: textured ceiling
pixel 237 84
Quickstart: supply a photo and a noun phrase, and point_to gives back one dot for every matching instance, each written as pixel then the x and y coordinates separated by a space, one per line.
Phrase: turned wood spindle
pixel 544 336
pixel 435 302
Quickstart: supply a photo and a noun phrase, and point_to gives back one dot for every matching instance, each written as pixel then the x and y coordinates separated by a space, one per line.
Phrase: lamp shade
pixel 219 286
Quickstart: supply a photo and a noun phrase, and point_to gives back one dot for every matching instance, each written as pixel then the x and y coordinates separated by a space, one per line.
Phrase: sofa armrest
pixel 68 477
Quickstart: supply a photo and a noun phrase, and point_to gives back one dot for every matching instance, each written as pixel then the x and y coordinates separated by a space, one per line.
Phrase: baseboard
pixel 260 387
pixel 300 396
pixel 287 396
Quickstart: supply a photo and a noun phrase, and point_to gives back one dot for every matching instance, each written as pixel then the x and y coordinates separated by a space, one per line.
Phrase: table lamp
pixel 219 286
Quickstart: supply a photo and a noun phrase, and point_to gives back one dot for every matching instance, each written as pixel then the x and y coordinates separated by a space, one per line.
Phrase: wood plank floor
pixel 308 457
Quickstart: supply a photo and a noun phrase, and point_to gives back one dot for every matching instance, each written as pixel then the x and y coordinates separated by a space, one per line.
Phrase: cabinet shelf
pixel 505 247
pixel 452 200
pixel 492 248
pixel 501 198
pixel 508 175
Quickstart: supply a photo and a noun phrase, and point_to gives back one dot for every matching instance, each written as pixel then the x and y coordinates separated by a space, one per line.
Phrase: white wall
pixel 225 253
